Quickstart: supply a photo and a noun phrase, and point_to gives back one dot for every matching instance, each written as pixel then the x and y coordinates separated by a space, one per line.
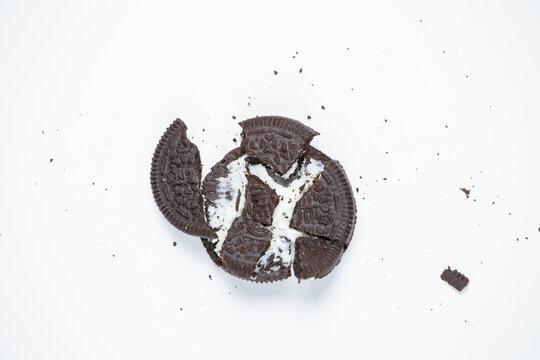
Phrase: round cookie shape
pixel 270 209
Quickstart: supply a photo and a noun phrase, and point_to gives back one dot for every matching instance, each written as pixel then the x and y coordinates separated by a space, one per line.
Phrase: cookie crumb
pixel 210 277
pixel 275 72
pixel 466 191
pixel 309 117
pixel 384 179
pixel 234 139
pixel 234 117
pixel 455 278
pixel 51 160
pixel 174 243
pixel 357 190
pixel 300 71
pixel 322 107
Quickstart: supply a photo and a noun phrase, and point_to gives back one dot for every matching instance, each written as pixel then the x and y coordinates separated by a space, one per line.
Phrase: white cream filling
pixel 221 215
pixel 283 236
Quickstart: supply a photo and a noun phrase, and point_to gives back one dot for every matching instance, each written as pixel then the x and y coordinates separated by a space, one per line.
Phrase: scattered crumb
pixel 234 139
pixel 467 76
pixel 113 255
pixel 347 48
pixel 446 126
pixel 93 183
pixel 51 160
pixel 431 309
pixel 181 309
pixel 275 72
pixel 384 179
pixel 174 243
pixel 229 293
pixel 357 190
pixel 210 277
pixel 465 321
pixel 509 213
pixel 322 107
pixel 467 192
pixel 309 117
pixel 203 130
pixel 42 132
pixel 234 117
pixel 437 154
pixel 385 120
pixel 493 203
pixel 420 20
pixel 444 52
pixel 300 71
pixel 517 239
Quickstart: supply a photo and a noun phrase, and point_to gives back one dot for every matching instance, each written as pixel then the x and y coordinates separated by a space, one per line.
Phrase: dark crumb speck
pixel 93 183
pixel 51 160
pixel 438 154
pixel 203 130
pixel 466 191
pixel 539 229
pixel 384 179
pixel 181 309
pixel 174 243
pixel 113 255
pixel 275 72
pixel 309 117
pixel 210 277
pixel 322 107
pixel 229 293
pixel 420 20
pixel 385 120
pixel 42 132
pixel 467 76
pixel 446 126
pixel 357 190
pixel 234 139
pixel 465 321
pixel 300 71
pixel 234 117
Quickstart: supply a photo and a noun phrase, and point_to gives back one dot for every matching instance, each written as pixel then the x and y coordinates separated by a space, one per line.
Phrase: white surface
pixel 103 80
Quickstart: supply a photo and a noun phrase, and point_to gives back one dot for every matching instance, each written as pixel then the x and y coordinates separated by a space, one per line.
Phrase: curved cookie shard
pixel 243 247
pixel 176 180
pixel 210 248
pixel 261 201
pixel 315 257
pixel 316 154
pixel 276 141
pixel 210 185
pixel 328 208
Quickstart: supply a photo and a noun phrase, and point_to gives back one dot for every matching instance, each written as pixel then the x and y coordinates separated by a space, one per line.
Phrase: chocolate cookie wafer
pixel 176 181
pixel 276 141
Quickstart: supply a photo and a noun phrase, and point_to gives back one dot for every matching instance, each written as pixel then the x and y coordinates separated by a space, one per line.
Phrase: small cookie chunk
pixel 274 270
pixel 210 183
pixel 455 278
pixel 276 141
pixel 328 208
pixel 260 201
pixel 315 257
pixel 244 246
pixel 176 180
pixel 211 250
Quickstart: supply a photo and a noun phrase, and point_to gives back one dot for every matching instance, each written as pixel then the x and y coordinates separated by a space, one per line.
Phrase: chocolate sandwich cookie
pixel 274 207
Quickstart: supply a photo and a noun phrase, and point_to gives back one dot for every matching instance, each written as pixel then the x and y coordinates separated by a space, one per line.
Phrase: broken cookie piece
pixel 176 181
pixel 276 141
pixel 455 278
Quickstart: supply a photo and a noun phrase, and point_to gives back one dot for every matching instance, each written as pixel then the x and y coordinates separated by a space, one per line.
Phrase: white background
pixel 87 264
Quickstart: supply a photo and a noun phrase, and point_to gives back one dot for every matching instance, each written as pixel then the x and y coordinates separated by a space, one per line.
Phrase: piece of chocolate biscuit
pixel 176 181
